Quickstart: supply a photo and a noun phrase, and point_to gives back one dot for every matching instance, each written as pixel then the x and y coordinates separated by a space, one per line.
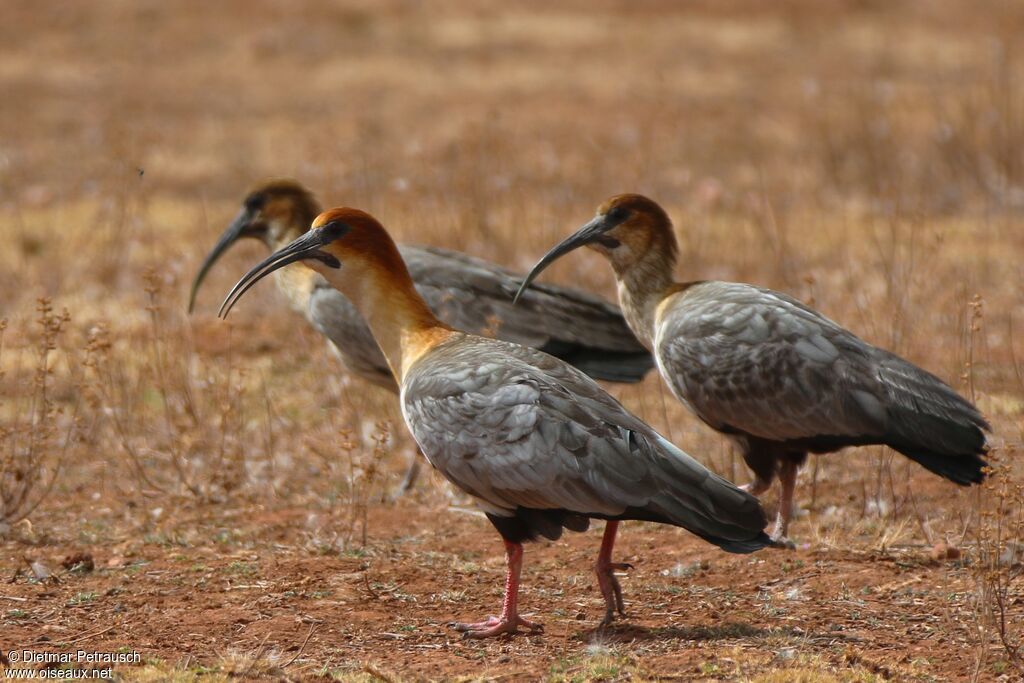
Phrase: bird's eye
pixel 332 230
pixel 617 214
pixel 255 201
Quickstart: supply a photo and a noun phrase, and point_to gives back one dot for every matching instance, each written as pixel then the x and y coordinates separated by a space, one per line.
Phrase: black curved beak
pixel 591 232
pixel 305 247
pixel 227 238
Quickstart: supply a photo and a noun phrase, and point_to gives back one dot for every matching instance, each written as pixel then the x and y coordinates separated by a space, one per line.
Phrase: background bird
pixel 536 442
pixel 465 292
pixel 780 378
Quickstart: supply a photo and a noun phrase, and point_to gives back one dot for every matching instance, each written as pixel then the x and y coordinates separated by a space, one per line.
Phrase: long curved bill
pixel 585 235
pixel 305 247
pixel 227 238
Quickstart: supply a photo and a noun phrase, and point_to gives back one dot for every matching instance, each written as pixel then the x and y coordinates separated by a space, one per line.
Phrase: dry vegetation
pixel 214 489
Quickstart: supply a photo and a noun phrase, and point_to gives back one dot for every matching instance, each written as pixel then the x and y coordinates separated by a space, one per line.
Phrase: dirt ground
pixel 238 594
pixel 213 495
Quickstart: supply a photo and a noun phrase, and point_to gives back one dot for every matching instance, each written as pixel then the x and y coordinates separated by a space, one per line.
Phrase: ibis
pixel 466 292
pixel 537 443
pixel 778 377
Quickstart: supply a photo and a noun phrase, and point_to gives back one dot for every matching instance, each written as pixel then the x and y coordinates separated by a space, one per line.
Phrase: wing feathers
pixel 584 454
pixel 762 363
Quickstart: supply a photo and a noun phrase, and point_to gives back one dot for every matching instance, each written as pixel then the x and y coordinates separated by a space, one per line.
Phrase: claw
pixel 475 625
pixel 509 621
pixel 612 590
pixel 495 627
pixel 605 569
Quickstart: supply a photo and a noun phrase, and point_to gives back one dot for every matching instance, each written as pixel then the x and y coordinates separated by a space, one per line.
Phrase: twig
pixel 814 484
pixel 919 518
pixel 87 636
pixel 302 647
pixel 465 511
pixel 256 658
pixel 377 673
pixel 11 597
pixel 369 588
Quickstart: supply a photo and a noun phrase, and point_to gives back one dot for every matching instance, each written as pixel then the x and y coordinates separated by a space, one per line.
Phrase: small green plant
pixel 85 598
pixel 243 568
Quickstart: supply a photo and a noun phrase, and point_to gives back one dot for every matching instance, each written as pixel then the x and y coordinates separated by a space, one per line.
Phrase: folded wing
pixel 521 431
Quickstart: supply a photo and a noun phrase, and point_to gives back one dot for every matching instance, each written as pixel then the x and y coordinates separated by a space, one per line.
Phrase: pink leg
pixel 604 567
pixel 509 620
pixel 787 477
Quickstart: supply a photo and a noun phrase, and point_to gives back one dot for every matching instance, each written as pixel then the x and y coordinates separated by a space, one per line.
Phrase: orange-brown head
pixel 275 213
pixel 347 246
pixel 358 257
pixel 363 242
pixel 629 229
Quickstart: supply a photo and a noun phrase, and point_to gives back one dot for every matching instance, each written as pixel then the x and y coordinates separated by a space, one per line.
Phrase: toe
pixel 532 625
pixel 498 629
pixel 495 627
pixel 473 626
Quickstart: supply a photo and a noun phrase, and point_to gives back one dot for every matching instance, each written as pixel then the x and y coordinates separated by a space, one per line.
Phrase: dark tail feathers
pixel 959 469
pixel 930 423
pixel 741 547
pixel 949 447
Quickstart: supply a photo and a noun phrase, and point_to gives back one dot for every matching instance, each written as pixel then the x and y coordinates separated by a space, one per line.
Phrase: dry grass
pixel 863 156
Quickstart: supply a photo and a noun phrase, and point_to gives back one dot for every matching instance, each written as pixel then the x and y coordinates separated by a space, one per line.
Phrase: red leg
pixel 605 568
pixel 509 620
pixel 787 477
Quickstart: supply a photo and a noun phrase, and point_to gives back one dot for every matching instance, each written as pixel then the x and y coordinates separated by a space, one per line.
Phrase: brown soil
pixel 208 588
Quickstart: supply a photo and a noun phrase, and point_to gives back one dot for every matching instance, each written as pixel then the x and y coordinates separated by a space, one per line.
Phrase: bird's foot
pixel 783 543
pixel 495 626
pixel 611 590
pixel 609 617
pixel 408 482
pixel 779 536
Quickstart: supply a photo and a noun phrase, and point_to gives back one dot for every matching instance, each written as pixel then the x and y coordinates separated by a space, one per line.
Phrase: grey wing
pixel 336 318
pixel 745 360
pixel 517 428
pixel 751 360
pixel 475 296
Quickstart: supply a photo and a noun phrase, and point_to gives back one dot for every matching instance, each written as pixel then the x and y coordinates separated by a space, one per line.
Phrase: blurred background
pixel 867 157
pixel 864 156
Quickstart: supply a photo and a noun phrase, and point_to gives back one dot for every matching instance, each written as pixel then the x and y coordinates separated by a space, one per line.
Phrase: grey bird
pixel 538 444
pixel 778 377
pixel 467 293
